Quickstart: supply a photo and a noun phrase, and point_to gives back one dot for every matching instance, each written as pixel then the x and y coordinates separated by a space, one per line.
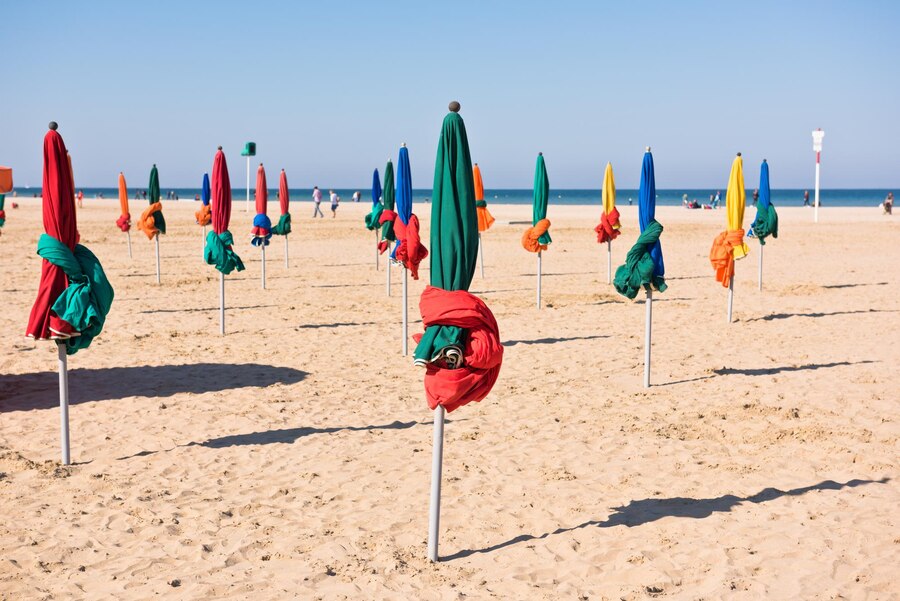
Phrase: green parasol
pixel 541 194
pixel 154 196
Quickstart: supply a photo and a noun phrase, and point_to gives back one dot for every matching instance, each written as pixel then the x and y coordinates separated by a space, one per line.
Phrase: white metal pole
pixel 761 247
pixel 221 303
pixel 128 235
pixel 286 263
pixel 203 242
pixel 437 458
pixel 263 247
pixel 405 313
pixel 157 259
pixel 63 403
pixel 816 211
pixel 730 297
pixel 609 261
pixel 481 253
pixel 389 275
pixel 539 281
pixel 648 337
pixel 247 205
pixel 376 249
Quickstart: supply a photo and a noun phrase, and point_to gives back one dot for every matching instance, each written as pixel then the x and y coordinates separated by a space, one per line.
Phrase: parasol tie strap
pixel 204 215
pixel 639 271
pixel 283 227
pixel 87 299
pixel 728 246
pixel 609 226
pixel 477 369
pixel 410 251
pixel 531 239
pixel 218 252
pixel 147 222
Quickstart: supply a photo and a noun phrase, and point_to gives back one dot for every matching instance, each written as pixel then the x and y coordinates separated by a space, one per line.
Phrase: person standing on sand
pixel 356 196
pixel 317 200
pixel 755 196
pixel 806 198
pixel 335 199
pixel 80 197
pixel 888 203
pixel 717 199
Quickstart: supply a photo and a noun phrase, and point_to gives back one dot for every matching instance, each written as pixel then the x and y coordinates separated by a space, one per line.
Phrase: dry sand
pixel 291 458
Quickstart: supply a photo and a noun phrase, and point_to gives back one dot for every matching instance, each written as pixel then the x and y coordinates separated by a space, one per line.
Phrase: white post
pixel 389 273
pixel 816 211
pixel 128 235
pixel 221 303
pixel 481 253
pixel 203 242
pixel 609 261
pixel 64 403
pixel 157 259
pixel 730 297
pixel 405 313
pixel 286 264
pixel 247 206
pixel 539 281
pixel 263 248
pixel 376 249
pixel 437 458
pixel 647 337
pixel 761 247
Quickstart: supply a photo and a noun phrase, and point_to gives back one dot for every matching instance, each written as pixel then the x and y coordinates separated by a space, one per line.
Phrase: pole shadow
pixel 205 309
pixel 837 286
pixel 765 371
pixel 644 511
pixel 27 392
pixel 774 316
pixel 338 324
pixel 552 340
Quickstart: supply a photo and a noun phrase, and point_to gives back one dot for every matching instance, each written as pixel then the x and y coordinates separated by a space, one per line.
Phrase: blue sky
pixel 329 90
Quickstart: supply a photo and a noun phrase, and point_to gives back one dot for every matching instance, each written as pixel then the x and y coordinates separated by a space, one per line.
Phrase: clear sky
pixel 329 90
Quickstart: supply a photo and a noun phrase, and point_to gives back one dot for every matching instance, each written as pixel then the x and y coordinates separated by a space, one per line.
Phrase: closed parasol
pixel 373 219
pixel 537 237
pixel 262 225
pixel 152 222
pixel 283 227
pixel 485 219
pixel 766 222
pixel 124 220
pixel 609 227
pixel 729 245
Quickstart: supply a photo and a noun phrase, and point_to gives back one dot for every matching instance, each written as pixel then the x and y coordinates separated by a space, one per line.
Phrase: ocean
pixel 854 197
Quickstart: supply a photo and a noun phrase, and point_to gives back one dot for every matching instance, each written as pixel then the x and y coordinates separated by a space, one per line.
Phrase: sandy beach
pixel 291 458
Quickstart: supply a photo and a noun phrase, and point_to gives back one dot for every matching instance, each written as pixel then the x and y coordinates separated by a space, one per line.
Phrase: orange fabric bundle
pixel 728 246
pixel 483 355
pixel 609 226
pixel 411 250
pixel 146 223
pixel 530 238
pixel 485 219
pixel 204 215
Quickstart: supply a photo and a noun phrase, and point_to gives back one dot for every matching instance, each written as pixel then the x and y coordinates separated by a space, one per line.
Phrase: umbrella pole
pixel 437 458
pixel 157 259
pixel 389 275
pixel 263 248
pixel 405 313
pixel 286 264
pixel 247 205
pixel 63 403
pixel 203 240
pixel 221 303
pixel 539 281
pixel 609 261
pixel 128 236
pixel 760 265
pixel 376 250
pixel 481 253
pixel 730 296
pixel 648 337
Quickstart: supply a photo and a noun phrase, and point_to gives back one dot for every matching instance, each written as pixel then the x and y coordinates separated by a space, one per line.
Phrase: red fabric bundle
pixel 386 216
pixel 721 255
pixel 609 226
pixel 124 222
pixel 453 388
pixel 411 250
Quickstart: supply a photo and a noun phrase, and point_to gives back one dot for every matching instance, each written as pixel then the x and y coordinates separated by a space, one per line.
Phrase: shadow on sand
pixel 552 340
pixel 814 315
pixel 766 371
pixel 25 392
pixel 206 309
pixel 644 511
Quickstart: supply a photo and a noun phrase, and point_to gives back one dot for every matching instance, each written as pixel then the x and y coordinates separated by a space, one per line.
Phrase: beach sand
pixel 292 458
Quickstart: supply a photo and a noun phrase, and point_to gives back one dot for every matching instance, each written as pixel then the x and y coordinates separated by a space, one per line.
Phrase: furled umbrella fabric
pixel 204 214
pixel 537 237
pixel 729 245
pixel 485 219
pixel 2 210
pixel 373 219
pixel 74 296
pixel 6 179
pixel 124 220
pixel 461 345
pixel 609 227
pixel 152 222
pixel 766 222
pixel 410 251
pixel 388 215
pixel 283 227
pixel 219 241
pixel 644 266
pixel 262 225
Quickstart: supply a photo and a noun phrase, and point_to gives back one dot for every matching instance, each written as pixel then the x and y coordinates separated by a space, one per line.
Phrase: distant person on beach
pixel 717 199
pixel 335 200
pixel 888 204
pixel 755 196
pixel 80 198
pixel 317 200
pixel 356 196
pixel 806 198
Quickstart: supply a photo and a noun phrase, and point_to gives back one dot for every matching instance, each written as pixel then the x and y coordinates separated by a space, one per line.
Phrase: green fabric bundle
pixel 766 224
pixel 2 214
pixel 85 303
pixel 373 217
pixel 283 227
pixel 638 270
pixel 218 251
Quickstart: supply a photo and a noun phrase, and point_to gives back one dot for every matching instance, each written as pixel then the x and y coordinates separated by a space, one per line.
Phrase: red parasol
pixel 284 196
pixel 221 194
